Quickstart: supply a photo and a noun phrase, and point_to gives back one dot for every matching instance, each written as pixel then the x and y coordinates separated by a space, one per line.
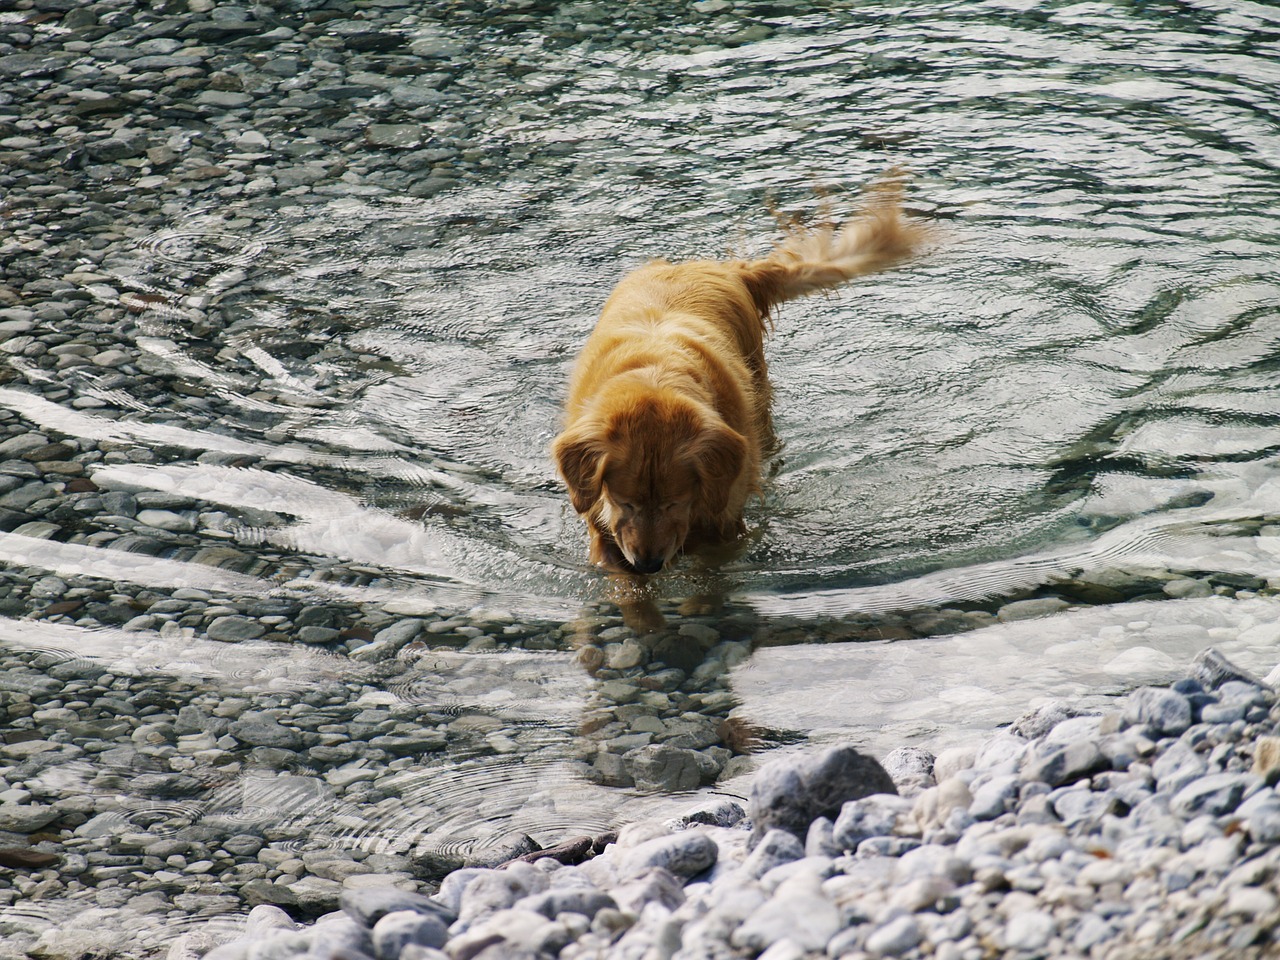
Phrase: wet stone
pixel 24 818
pixel 167 520
pixel 263 730
pixel 668 769
pixel 401 136
pixel 1031 609
pixel 234 629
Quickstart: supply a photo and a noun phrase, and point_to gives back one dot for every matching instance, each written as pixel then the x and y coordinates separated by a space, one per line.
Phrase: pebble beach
pixel 218 740
pixel 1149 831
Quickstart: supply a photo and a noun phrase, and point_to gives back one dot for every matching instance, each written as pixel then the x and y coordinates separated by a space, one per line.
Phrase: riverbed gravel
pixel 167 771
pixel 1147 831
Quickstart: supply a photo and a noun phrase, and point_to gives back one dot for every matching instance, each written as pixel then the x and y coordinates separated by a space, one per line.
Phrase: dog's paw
pixel 643 616
pixel 701 606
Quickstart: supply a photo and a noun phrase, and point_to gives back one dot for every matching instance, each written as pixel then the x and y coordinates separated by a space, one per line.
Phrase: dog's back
pixel 669 400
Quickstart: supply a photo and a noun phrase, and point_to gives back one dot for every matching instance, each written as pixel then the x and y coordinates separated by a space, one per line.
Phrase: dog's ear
pixel 580 458
pixel 719 455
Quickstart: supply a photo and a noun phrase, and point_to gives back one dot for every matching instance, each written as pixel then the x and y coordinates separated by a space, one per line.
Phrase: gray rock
pixel 1187 589
pixel 774 849
pixel 401 928
pixel 453 888
pixel 26 495
pixel 1263 821
pixel 26 818
pixel 235 628
pixel 654 885
pixel 1036 723
pixel 1216 794
pixel 367 905
pixel 500 850
pixel 994 797
pixel 113 149
pixel 717 812
pixel 661 768
pixel 490 891
pixel 1222 712
pixel 1177 767
pixel 318 635
pixel 682 854
pixel 1078 806
pixel 223 99
pixel 1091 931
pixel 895 938
pixel 263 730
pixel 1244 694
pixel 108 824
pixel 315 894
pixel 820 840
pixel 910 769
pixel 168 520
pixel 807 920
pixel 1165 712
pixel 1029 609
pixel 415 744
pixel 1211 669
pixel 26 65
pixel 19 446
pixel 874 816
pixel 337 935
pixel 791 792
pixel 1029 930
pixel 551 903
pixel 265 919
pixel 400 136
pixel 281 944
pixel 120 503
pixel 933 860
pixel 1065 764
pixel 399 633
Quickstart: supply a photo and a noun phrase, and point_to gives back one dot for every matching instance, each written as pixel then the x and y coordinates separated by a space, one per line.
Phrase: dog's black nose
pixel 649 564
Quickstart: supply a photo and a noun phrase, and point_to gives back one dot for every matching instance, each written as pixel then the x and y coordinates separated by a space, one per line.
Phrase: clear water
pixel 1093 339
pixel 1083 375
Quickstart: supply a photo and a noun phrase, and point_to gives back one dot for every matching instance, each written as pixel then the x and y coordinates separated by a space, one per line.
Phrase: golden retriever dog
pixel 668 414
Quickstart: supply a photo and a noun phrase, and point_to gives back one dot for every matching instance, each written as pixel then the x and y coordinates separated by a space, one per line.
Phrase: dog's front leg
pixel 634 596
pixel 630 591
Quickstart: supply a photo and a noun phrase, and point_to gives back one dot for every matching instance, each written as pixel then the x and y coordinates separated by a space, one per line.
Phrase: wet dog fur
pixel 668 411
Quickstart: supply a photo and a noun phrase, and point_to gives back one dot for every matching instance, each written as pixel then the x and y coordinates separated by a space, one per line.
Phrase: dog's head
pixel 646 469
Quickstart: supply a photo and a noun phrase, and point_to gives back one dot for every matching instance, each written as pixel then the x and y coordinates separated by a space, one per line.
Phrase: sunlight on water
pixel 994 675
pixel 342 400
pixel 924 414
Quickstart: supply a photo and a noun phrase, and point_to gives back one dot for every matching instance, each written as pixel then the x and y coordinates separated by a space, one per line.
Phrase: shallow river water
pixel 1039 461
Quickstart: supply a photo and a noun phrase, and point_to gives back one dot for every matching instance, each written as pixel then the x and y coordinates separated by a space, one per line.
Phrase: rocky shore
pixel 1146 832
pixel 206 715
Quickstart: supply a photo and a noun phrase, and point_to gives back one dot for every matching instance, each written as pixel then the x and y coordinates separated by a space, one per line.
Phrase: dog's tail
pixel 812 259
